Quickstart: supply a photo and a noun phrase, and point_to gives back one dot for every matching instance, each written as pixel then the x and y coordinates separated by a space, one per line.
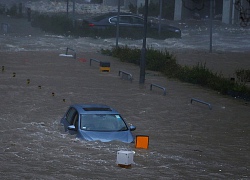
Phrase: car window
pixel 71 115
pixel 125 19
pixel 75 120
pixel 104 16
pixel 137 20
pixel 102 122
pixel 122 20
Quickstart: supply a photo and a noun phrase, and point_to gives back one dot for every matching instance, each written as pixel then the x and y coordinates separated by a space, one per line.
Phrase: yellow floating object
pixel 105 69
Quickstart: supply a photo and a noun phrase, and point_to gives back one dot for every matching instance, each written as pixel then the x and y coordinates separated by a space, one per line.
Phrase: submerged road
pixel 186 140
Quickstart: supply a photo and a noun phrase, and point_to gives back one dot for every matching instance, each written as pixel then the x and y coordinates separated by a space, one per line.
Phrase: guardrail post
pixel 164 89
pixel 130 77
pixel 202 102
pixel 93 60
pixel 104 66
pixel 74 56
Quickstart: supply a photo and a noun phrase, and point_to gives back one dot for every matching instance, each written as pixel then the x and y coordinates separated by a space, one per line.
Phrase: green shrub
pixel 199 74
pixel 221 84
pixel 163 62
pixel 126 54
pixel 155 60
pixel 243 76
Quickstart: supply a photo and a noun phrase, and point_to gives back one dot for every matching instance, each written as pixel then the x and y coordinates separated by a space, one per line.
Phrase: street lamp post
pixel 74 6
pixel 143 50
pixel 160 15
pixel 211 25
pixel 118 24
pixel 67 8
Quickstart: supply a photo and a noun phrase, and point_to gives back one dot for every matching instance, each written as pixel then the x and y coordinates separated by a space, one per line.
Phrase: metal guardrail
pixel 104 66
pixel 202 102
pixel 74 55
pixel 164 89
pixel 94 60
pixel 130 77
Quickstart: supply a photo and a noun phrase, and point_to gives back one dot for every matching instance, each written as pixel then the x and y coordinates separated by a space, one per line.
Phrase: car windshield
pixel 102 122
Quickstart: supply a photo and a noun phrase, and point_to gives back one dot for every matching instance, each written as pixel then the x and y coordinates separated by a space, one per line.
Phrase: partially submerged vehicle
pixel 97 122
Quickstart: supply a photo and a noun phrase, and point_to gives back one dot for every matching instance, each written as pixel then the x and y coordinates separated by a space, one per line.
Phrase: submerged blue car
pixel 97 122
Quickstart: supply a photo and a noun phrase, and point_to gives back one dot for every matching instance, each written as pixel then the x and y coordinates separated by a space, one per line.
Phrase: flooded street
pixel 186 140
pixel 194 37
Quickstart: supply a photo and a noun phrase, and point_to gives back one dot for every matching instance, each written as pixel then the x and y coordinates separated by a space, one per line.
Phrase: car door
pixel 125 21
pixel 137 22
pixel 74 121
pixel 68 119
pixel 126 26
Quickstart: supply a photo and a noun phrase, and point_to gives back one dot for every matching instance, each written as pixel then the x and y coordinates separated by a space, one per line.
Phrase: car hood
pixel 123 136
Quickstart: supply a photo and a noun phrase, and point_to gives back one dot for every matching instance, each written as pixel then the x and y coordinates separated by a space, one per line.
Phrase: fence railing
pixel 202 102
pixel 95 60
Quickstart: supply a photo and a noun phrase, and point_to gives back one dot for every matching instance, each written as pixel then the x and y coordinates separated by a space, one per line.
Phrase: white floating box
pixel 66 55
pixel 125 158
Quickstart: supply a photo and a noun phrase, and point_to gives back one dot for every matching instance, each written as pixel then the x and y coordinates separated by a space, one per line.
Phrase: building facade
pixel 224 10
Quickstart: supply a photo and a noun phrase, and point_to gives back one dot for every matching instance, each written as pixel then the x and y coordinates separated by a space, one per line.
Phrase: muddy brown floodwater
pixel 186 140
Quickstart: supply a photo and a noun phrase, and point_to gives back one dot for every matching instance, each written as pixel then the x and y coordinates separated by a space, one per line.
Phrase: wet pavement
pixel 187 140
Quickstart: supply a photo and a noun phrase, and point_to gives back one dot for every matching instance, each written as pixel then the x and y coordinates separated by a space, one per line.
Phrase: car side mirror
pixel 132 128
pixel 72 128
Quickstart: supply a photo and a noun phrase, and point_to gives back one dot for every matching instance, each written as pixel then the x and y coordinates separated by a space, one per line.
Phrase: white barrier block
pixel 66 55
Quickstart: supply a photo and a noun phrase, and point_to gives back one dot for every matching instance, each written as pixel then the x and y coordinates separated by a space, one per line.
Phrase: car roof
pixel 94 109
pixel 111 14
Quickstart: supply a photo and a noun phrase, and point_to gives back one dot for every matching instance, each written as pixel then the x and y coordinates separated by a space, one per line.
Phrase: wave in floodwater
pixel 221 41
pixel 43 140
